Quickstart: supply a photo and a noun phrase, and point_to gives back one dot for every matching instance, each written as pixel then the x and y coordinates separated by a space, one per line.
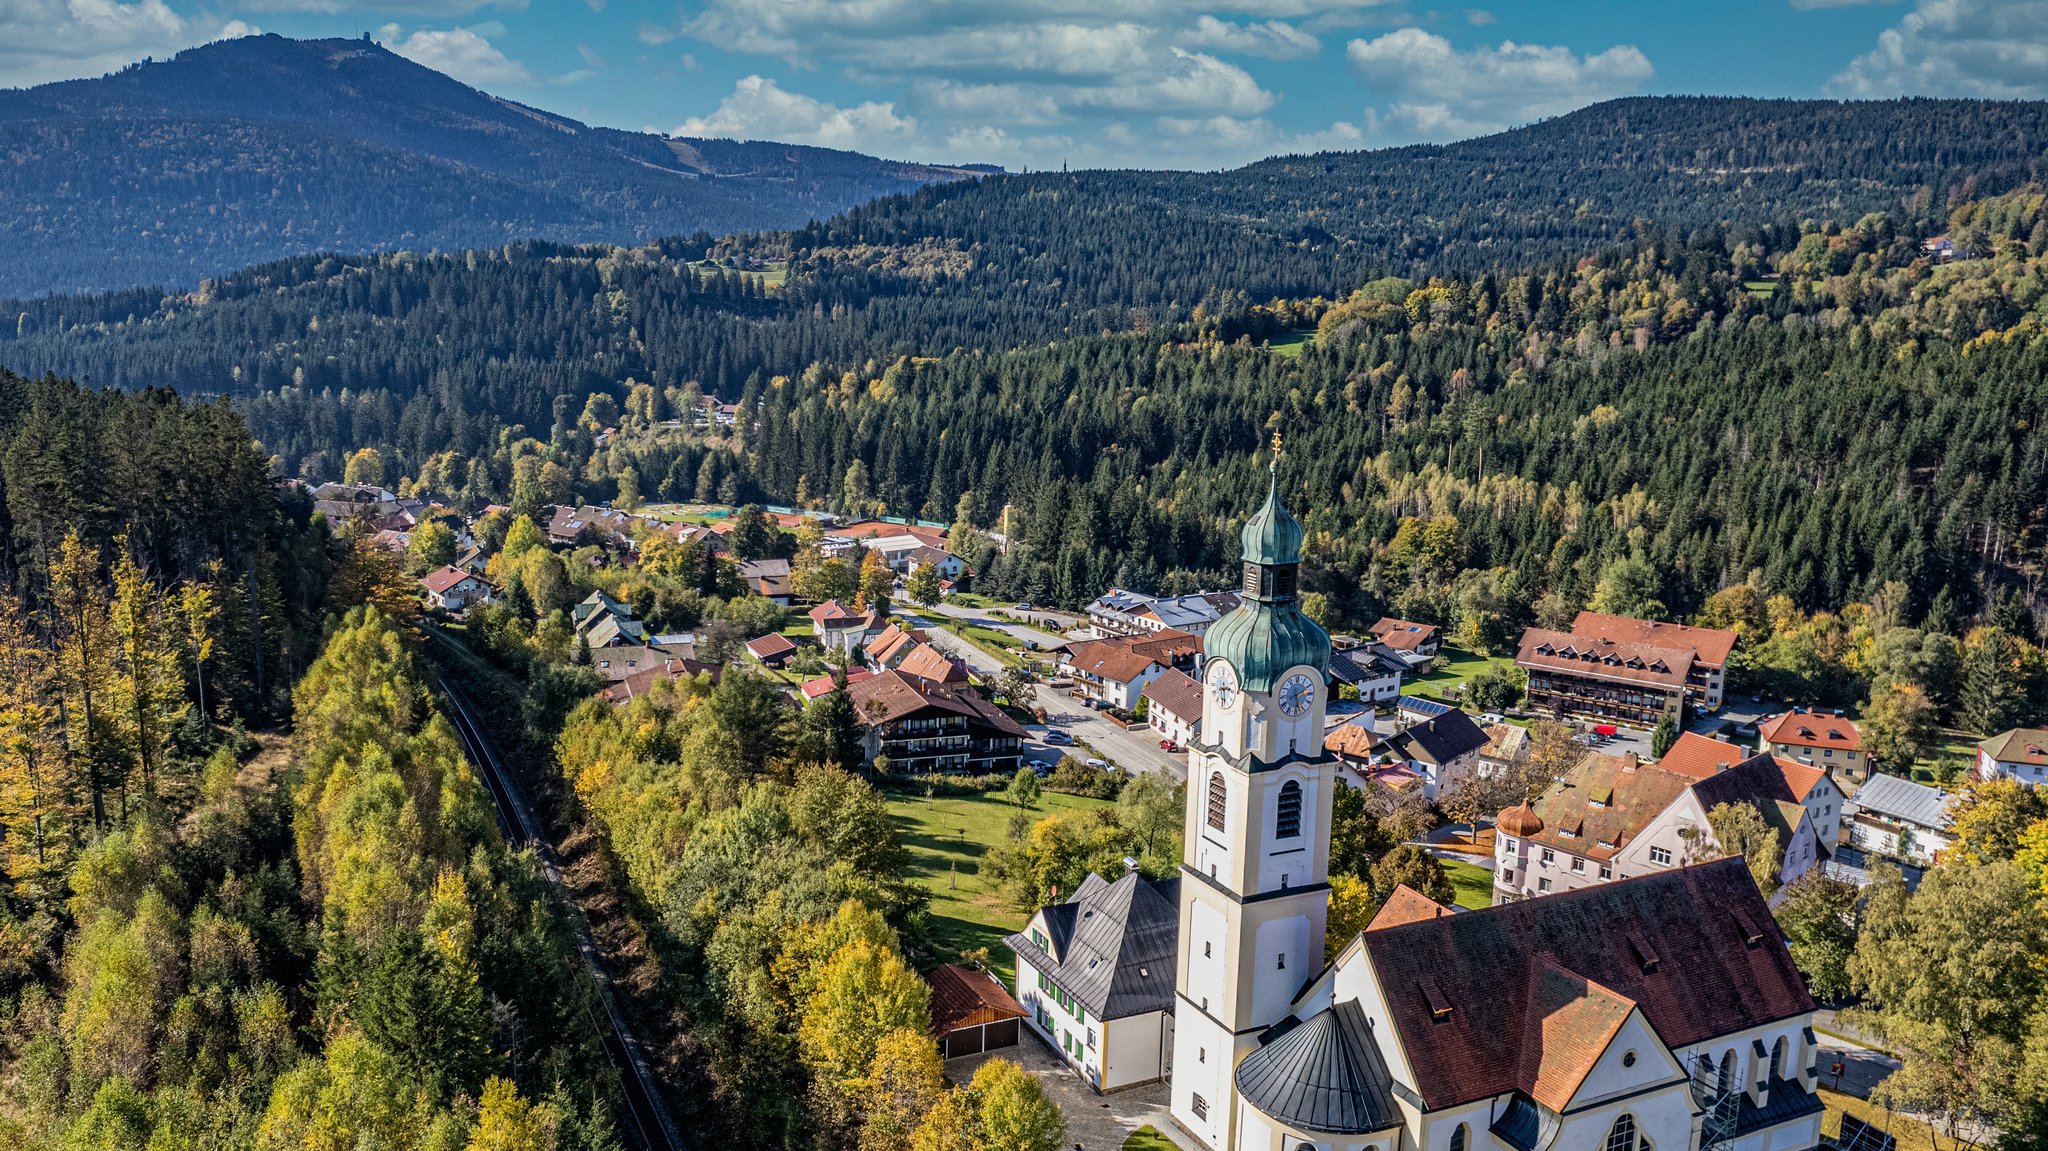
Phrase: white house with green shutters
pixel 1095 976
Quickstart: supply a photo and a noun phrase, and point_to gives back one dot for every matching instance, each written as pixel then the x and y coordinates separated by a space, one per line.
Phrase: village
pixel 1609 755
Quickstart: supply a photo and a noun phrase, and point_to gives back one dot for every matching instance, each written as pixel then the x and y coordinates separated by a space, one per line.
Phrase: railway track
pixel 647 1122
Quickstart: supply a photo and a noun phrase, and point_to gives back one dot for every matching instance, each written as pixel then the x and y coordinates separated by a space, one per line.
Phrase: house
pixel 1614 816
pixel 595 607
pixel 839 628
pixel 1127 613
pixel 1168 647
pixel 473 560
pixel 929 665
pixel 971 1012
pixel 1821 738
pixel 2021 754
pixel 625 660
pixel 1812 785
pixel 1416 709
pixel 567 525
pixel 1662 1010
pixel 1415 644
pixel 922 726
pixel 1506 746
pixel 1096 973
pixel 767 578
pixel 1623 670
pixel 948 565
pixel 772 650
pixel 668 670
pixel 1373 669
pixel 1394 753
pixel 452 589
pixel 1902 819
pixel 610 630
pixel 816 686
pixel 1173 706
pixel 1109 671
pixel 343 502
pixel 889 646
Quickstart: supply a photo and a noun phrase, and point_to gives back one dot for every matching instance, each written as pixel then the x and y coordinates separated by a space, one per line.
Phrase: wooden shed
pixel 971 1013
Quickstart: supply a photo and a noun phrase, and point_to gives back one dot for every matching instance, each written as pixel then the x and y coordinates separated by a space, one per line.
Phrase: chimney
pixel 1130 865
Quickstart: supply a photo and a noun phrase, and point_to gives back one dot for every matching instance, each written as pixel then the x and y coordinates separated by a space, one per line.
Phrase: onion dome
pixel 1521 819
pixel 1272 536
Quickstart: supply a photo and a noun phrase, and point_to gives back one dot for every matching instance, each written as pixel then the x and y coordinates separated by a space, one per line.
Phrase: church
pixel 1653 1014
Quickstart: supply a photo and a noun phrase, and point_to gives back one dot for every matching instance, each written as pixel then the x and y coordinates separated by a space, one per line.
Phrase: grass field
pixel 946 838
pixel 1474 883
pixel 1291 344
pixel 1453 667
pixel 1912 1134
pixel 1000 645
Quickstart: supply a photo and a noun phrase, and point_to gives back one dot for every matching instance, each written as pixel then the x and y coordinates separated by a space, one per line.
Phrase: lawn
pixel 1000 645
pixel 1912 1134
pixel 1453 667
pixel 946 837
pixel 1148 1138
pixel 1291 344
pixel 1474 883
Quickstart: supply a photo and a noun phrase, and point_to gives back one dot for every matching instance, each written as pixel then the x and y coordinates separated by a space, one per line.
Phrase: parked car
pixel 1040 767
pixel 1058 737
pixel 1169 745
pixel 1098 764
pixel 1021 607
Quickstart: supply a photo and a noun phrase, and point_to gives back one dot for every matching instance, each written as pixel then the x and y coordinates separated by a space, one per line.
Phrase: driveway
pixel 1136 749
pixel 1094 1122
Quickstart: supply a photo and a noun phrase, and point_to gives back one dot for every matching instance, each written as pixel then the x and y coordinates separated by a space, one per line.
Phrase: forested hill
pixel 1301 225
pixel 247 150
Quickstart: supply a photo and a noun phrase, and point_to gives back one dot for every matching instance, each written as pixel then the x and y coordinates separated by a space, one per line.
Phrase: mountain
pixel 253 149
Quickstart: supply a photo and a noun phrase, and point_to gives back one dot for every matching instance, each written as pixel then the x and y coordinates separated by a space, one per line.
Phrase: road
pixel 1134 750
pixel 645 1119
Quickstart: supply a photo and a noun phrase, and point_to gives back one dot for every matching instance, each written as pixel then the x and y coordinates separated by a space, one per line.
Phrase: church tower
pixel 1254 891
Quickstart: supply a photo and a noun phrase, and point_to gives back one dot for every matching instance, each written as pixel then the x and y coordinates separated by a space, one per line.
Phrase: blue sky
pixel 1155 83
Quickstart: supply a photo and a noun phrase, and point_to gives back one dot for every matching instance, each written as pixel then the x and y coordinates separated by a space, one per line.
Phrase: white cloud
pixel 44 40
pixel 1437 92
pixel 463 53
pixel 1994 49
pixel 416 9
pixel 758 108
pixel 1273 39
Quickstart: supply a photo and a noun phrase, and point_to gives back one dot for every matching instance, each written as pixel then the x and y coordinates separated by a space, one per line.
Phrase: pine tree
pixel 149 681
pixel 85 660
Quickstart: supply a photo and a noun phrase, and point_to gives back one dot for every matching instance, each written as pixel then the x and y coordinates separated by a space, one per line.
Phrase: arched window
pixel 1778 1058
pixel 1287 824
pixel 1459 1138
pixel 1218 800
pixel 1622 1136
pixel 1725 1082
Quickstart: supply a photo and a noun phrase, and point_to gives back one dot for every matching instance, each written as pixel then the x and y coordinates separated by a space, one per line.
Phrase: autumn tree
pixel 1818 916
pixel 1352 906
pixel 876 584
pixel 432 546
pixel 86 646
pixel 149 682
pixel 1412 866
pixel 1899 722
pixel 1740 829
pixel 904 1083
pixel 1992 816
pixel 863 993
pixel 38 800
pixel 365 466
pixel 923 584
pixel 369 575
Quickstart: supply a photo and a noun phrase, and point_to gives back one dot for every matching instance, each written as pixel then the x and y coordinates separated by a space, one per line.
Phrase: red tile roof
pixel 1587 657
pixel 1400 634
pixel 830 615
pixel 1405 905
pixel 769 646
pixel 1803 728
pixel 1177 693
pixel 819 685
pixel 1603 803
pixel 443 579
pixel 1569 1022
pixel 1468 996
pixel 1700 756
pixel 642 682
pixel 1708 644
pixel 889 643
pixel 965 998
pixel 926 662
pixel 1108 659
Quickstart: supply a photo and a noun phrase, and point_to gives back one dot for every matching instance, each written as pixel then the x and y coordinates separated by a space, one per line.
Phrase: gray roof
pixel 1904 800
pixel 1322 1074
pixel 1366 662
pixel 1112 946
pixel 1439 740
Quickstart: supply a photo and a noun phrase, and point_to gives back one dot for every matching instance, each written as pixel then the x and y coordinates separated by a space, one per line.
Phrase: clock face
pixel 1296 694
pixel 1223 685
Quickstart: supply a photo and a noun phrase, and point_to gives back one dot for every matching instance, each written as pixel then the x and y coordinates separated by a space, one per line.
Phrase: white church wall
pixel 1131 1050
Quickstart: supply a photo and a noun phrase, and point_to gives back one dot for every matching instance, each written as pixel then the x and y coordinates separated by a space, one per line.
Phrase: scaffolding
pixel 1720 1106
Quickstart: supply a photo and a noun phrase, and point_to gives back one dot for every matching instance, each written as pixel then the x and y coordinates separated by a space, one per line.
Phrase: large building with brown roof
pixel 924 726
pixel 1623 670
pixel 1614 816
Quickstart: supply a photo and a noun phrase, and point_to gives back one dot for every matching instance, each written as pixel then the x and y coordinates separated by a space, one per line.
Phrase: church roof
pixel 1695 949
pixel 1322 1074
pixel 1113 945
pixel 1272 536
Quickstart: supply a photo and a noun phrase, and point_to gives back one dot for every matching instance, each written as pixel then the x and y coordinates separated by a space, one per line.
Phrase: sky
pixel 1097 83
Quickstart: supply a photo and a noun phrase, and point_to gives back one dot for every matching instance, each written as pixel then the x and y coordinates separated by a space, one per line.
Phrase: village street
pixel 1135 750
